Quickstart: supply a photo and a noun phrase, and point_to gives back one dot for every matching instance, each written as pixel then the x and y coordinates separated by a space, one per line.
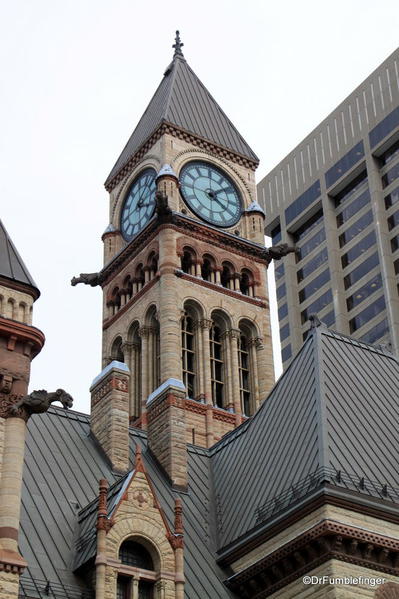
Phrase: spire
pixel 184 106
pixel 178 45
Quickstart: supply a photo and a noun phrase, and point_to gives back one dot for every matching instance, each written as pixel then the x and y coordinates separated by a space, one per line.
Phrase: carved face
pixel 6 383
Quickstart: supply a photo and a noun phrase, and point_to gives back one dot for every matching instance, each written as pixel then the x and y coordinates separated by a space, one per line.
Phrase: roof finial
pixel 178 45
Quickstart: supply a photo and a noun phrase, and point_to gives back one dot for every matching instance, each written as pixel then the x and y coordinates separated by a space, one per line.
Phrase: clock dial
pixel 210 193
pixel 139 204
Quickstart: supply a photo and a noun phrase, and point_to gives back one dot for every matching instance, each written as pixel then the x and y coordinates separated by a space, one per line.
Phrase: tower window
pixel 217 366
pixel 243 366
pixel 134 554
pixel 188 354
pixel 206 270
pixel 123 588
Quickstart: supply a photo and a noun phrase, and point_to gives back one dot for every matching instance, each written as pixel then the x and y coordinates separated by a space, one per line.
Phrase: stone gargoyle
pixel 87 278
pixel 38 402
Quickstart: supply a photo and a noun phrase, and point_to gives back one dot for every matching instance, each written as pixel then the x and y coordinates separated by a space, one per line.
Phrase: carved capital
pixel 205 323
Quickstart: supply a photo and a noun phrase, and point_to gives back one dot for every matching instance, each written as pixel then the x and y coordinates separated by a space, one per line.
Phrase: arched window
pixel 208 268
pixel 134 555
pixel 246 282
pixel 128 288
pixel 188 261
pixel 139 277
pixel 134 345
pixel 154 350
pixel 153 264
pixel 217 365
pixel 188 355
pixel 116 350
pixel 227 276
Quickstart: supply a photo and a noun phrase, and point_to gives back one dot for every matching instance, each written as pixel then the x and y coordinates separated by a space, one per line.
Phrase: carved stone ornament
pixel 389 590
pixel 141 498
pixel 87 278
pixel 36 402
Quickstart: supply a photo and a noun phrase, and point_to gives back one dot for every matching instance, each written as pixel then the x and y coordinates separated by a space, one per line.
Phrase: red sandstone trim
pixel 18 331
pixel 215 287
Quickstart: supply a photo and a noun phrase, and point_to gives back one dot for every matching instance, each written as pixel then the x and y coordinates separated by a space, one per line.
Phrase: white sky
pixel 76 77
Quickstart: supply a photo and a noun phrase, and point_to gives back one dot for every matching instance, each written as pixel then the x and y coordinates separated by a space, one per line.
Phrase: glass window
pixel 309 245
pixel 314 285
pixel 378 331
pixel 284 332
pixel 282 311
pixel 310 224
pixel 356 228
pixel 392 198
pixel 360 294
pixel 134 554
pixel 384 127
pixel 353 208
pixel 390 154
pixel 188 355
pixel 395 243
pixel 312 265
pixel 350 189
pixel 286 352
pixel 146 590
pixel 302 202
pixel 357 273
pixel 317 306
pixel 276 234
pixel 358 249
pixel 244 375
pixel 281 291
pixel 217 366
pixel 390 175
pixel 367 314
pixel 344 164
pixel 393 220
pixel 279 271
pixel 123 589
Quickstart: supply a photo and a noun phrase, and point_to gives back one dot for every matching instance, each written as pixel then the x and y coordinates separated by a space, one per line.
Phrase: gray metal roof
pixel 182 100
pixel 62 470
pixel 11 264
pixel 333 414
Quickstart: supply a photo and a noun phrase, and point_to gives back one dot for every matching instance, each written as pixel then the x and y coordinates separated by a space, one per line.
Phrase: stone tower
pixel 20 342
pixel 186 335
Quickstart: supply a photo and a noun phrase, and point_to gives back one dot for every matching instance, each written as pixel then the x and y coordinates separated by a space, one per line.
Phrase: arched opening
pixel 116 350
pixel 188 354
pixel 218 356
pixel 188 261
pixel 246 282
pixel 153 264
pixel 208 268
pixel 128 288
pixel 154 349
pixel 227 276
pixel 141 584
pixel 139 277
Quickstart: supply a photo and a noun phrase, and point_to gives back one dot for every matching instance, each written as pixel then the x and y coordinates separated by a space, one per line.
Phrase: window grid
pixel 217 366
pixel 243 367
pixel 188 355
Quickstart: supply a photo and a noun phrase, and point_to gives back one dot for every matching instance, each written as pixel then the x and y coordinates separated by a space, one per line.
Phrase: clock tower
pixel 187 350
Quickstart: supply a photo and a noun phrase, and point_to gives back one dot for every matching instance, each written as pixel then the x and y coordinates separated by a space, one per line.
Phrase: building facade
pixel 335 197
pixel 194 477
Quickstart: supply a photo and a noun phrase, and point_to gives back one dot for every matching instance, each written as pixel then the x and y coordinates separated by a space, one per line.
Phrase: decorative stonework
pixel 325 541
pixel 389 590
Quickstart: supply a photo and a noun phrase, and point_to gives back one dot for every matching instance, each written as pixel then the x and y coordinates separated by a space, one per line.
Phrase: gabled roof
pixel 183 101
pixel 11 264
pixel 332 416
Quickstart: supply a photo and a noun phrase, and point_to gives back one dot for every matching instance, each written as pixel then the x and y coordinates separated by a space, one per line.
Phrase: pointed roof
pixel 183 102
pixel 12 266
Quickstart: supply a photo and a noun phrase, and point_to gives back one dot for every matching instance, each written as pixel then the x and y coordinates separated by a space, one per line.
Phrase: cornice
pixel 11 284
pixel 180 133
pixel 18 331
pixel 327 540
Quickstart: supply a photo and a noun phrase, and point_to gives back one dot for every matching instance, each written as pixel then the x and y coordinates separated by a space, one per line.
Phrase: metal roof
pixel 333 414
pixel 59 502
pixel 182 100
pixel 11 264
pixel 331 417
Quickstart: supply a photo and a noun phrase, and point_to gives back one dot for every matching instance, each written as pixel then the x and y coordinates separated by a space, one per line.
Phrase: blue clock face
pixel 139 204
pixel 210 194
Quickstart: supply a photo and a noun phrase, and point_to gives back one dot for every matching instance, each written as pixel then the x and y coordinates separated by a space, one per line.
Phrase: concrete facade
pixel 335 196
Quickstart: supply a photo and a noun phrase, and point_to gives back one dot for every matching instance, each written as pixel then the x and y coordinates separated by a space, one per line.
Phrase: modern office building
pixel 336 196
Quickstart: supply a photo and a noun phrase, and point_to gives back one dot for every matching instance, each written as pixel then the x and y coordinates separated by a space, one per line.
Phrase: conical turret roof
pixel 183 102
pixel 12 267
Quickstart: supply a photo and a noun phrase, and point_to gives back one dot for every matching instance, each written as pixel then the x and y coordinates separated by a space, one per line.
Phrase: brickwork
pixel 110 416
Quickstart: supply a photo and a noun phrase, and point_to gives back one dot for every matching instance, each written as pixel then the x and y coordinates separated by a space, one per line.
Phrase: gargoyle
pixel 38 402
pixel 87 278
pixel 279 251
pixel 163 209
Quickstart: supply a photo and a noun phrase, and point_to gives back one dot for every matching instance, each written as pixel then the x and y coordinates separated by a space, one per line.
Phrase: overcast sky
pixel 76 77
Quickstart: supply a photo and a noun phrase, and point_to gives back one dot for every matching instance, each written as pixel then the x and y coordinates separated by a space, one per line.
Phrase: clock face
pixel 139 204
pixel 210 193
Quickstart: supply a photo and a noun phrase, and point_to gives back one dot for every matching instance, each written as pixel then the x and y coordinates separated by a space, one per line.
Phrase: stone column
pixel 144 334
pixel 102 526
pixel 178 543
pixel 135 588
